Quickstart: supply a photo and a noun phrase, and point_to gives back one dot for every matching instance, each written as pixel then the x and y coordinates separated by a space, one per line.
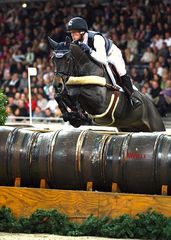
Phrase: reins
pixel 74 62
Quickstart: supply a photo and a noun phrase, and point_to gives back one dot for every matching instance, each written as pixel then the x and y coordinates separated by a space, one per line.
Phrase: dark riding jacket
pixel 108 42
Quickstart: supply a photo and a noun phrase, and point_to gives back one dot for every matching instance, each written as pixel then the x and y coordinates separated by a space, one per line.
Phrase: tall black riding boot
pixel 127 86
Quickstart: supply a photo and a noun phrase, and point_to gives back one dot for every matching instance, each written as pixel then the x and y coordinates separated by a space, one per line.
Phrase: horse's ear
pixel 68 41
pixel 52 43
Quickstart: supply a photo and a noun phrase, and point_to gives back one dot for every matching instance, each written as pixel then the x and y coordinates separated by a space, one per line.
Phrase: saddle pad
pixel 84 80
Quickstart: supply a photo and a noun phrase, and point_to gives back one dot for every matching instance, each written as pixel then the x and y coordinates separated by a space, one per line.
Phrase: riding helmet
pixel 77 23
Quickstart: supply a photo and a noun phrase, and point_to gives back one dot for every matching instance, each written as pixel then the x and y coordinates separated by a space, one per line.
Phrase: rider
pixel 104 51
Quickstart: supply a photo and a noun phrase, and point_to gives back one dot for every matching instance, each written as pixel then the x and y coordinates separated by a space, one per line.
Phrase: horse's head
pixel 65 59
pixel 70 60
pixel 61 58
pixel 61 63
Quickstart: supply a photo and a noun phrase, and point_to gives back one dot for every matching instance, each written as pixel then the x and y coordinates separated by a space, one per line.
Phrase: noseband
pixel 71 67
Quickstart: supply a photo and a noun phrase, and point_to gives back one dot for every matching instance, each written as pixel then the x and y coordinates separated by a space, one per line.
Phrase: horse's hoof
pixel 65 117
pixel 75 124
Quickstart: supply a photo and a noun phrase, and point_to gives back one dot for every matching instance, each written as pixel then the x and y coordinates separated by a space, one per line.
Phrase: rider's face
pixel 75 35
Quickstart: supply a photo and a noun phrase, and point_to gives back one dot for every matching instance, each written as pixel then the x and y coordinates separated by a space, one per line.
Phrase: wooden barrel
pixel 75 159
pixel 139 162
pixel 66 159
pixel 39 156
pixel 16 145
pixel 63 172
pixel 6 134
pixel 90 158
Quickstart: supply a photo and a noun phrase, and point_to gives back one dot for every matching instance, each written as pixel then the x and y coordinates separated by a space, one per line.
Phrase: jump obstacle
pixel 82 172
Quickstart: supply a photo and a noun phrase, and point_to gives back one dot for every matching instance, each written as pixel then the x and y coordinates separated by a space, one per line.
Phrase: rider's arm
pixel 100 53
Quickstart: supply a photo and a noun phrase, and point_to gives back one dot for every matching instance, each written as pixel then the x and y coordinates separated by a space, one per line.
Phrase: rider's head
pixel 77 26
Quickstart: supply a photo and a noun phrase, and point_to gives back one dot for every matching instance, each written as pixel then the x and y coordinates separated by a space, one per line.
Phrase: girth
pixel 107 118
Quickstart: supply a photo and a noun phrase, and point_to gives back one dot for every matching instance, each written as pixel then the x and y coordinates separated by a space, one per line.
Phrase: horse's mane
pixel 83 57
pixel 85 61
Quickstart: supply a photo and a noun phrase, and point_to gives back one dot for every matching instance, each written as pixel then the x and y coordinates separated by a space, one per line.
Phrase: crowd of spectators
pixel 141 29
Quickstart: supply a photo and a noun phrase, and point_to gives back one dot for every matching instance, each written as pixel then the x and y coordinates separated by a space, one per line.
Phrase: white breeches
pixel 115 58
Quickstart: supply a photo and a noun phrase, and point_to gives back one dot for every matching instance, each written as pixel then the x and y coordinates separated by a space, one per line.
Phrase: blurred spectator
pixel 132 44
pixel 163 101
pixel 6 80
pixel 148 34
pixel 157 41
pixel 21 111
pixel 30 56
pixel 164 78
pixel 42 48
pixel 41 102
pixel 148 56
pixel 52 105
pixel 49 115
pixel 135 75
pixel 167 39
pixel 146 75
pixel 23 82
pixel 123 42
pixel 155 89
pixel 11 104
pixel 11 116
pixel 139 36
pixel 33 103
pixel 15 81
pixel 128 56
pixel 164 51
pixel 38 113
pixel 145 91
pixel 17 56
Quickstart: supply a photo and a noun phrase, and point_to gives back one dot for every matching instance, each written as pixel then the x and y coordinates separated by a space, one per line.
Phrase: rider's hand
pixel 85 48
pixel 76 42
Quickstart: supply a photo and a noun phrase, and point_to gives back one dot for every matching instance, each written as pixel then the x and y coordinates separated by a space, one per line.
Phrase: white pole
pixel 31 72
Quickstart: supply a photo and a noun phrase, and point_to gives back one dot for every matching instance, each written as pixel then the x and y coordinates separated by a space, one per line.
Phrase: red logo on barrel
pixel 135 155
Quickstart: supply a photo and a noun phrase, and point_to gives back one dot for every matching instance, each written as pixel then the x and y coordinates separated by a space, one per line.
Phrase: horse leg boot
pixel 127 86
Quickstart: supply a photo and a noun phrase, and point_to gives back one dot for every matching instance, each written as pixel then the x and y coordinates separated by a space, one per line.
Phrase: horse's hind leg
pixel 154 119
pixel 157 125
pixel 151 119
pixel 141 127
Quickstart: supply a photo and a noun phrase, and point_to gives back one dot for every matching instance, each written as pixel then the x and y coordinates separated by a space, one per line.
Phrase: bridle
pixel 61 54
pixel 71 71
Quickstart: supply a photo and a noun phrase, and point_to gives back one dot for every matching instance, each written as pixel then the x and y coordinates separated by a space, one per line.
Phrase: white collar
pixel 85 38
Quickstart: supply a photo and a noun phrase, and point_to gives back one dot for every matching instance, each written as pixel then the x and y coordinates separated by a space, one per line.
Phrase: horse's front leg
pixel 73 118
pixel 81 114
pixel 62 107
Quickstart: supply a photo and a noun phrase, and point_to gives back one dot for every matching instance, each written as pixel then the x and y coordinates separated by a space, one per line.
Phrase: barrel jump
pixel 74 159
pixel 84 171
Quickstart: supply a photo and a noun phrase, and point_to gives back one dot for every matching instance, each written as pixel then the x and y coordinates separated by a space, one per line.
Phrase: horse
pixel 85 94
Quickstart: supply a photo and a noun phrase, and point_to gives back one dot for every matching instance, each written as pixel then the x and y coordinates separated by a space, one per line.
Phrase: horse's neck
pixel 86 65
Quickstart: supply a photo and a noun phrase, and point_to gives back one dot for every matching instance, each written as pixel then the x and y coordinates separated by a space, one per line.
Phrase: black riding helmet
pixel 77 23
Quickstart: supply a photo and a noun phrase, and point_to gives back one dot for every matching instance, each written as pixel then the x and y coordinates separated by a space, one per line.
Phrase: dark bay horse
pixel 84 92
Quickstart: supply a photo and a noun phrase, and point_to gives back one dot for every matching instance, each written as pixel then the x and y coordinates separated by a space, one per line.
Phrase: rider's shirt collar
pixel 85 38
